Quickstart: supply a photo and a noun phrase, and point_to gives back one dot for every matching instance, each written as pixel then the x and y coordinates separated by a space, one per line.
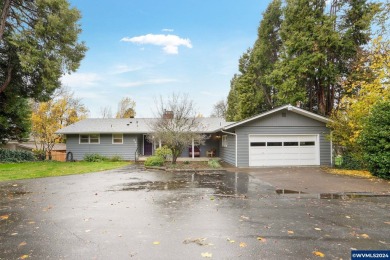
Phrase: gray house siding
pixel 228 154
pixel 105 148
pixel 284 118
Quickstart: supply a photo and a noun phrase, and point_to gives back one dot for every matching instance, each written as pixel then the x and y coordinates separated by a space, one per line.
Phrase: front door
pixel 148 147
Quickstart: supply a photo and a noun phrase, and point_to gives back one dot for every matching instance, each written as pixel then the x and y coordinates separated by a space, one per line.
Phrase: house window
pixel 224 141
pixel 257 143
pixel 90 139
pixel 117 138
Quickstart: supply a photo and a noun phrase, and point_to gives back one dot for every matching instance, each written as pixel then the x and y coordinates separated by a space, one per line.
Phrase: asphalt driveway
pixel 135 214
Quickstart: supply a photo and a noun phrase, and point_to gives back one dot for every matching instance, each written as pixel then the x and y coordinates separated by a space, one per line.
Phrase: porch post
pixel 193 150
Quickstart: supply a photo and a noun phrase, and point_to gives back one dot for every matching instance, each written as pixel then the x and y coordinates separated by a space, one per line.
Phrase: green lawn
pixel 31 170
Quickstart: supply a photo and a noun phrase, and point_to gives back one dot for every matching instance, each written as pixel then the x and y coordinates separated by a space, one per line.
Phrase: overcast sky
pixel 143 49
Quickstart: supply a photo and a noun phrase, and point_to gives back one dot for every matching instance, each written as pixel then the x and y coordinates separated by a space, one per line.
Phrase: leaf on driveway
pixel 261 239
pixel 319 254
pixel 387 222
pixel 347 216
pixel 24 257
pixel 22 244
pixel 246 218
pixel 199 241
pixel 242 244
pixel 318 229
pixel 207 255
pixel 290 232
pixel 364 236
pixel 4 217
pixel 230 240
pixel 156 242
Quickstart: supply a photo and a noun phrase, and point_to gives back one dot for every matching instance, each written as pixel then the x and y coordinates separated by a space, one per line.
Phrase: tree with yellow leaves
pixel 48 117
pixel 368 85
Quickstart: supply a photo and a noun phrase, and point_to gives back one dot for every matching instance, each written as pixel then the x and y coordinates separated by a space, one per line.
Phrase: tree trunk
pixel 4 15
pixel 7 80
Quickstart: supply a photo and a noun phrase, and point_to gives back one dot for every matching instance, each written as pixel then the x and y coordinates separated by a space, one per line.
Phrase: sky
pixel 145 49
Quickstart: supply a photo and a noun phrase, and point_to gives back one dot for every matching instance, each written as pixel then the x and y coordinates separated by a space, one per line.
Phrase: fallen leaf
pixel 230 240
pixel 206 255
pixel 156 243
pixel 4 217
pixel 319 254
pixel 261 239
pixel 14 234
pixel 22 244
pixel 24 257
pixel 243 217
pixel 364 236
pixel 212 198
pixel 388 222
pixel 318 229
pixel 347 216
pixel 242 244
pixel 31 222
pixel 290 232
pixel 199 241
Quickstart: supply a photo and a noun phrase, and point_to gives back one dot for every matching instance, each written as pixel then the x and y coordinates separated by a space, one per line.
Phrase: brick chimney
pixel 168 114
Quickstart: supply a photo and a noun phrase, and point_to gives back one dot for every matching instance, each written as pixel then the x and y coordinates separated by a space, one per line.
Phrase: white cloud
pixel 80 79
pixel 147 82
pixel 169 42
pixel 167 30
pixel 120 69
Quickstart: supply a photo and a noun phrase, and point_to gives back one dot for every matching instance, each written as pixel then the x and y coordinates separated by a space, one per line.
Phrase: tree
pixel 176 125
pixel 38 44
pixel 106 112
pixel 366 86
pixel 375 138
pixel 48 117
pixel 126 108
pixel 219 109
pixel 14 117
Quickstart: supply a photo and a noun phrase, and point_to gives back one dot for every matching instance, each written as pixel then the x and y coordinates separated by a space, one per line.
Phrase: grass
pixel 32 170
pixel 354 173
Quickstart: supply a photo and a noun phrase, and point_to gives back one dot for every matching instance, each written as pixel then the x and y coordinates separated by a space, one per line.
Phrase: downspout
pixel 236 142
pixel 331 148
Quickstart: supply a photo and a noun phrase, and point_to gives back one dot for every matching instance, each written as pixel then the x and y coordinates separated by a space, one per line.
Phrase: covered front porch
pixel 195 151
pixel 143 158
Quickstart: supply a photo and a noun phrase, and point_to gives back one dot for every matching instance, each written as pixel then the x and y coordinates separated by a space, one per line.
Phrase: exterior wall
pixel 277 120
pixel 106 148
pixel 228 154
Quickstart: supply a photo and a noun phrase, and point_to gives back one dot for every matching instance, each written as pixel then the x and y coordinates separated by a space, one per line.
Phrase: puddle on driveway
pixel 222 183
pixel 342 195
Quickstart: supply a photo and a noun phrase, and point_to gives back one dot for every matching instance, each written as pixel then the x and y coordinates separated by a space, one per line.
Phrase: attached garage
pixel 284 136
pixel 283 150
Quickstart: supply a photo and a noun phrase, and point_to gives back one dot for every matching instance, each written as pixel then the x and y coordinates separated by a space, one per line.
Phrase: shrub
pixel 375 140
pixel 116 158
pixel 16 156
pixel 154 161
pixel 164 152
pixel 94 157
pixel 213 163
pixel 351 162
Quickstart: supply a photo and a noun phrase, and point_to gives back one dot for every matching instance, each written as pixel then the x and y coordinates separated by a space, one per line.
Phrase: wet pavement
pixel 135 214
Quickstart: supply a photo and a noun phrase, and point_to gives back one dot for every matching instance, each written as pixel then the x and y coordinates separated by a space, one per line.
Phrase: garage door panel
pixel 281 150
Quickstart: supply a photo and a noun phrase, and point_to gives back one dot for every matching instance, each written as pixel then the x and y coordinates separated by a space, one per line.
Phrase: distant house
pixel 283 136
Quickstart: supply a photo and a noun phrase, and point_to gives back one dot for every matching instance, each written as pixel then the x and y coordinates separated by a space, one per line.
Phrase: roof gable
pixel 289 108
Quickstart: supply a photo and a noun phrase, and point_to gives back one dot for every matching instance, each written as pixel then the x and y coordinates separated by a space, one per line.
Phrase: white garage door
pixel 283 150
